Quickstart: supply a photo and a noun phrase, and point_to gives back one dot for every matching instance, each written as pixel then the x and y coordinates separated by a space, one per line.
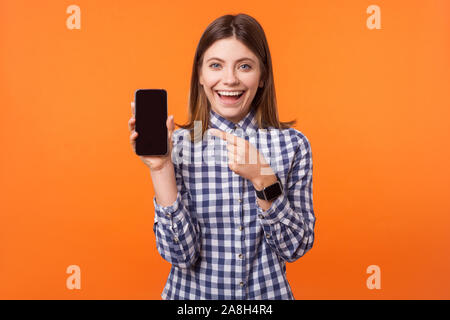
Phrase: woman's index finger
pixel 228 137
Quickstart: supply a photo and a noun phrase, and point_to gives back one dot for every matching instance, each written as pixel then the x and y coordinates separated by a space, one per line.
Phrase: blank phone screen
pixel 151 117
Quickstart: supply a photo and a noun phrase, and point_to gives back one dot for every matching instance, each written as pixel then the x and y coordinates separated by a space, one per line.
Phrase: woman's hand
pixel 245 160
pixel 155 163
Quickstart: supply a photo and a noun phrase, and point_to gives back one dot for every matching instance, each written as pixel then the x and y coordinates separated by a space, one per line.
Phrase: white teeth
pixel 230 93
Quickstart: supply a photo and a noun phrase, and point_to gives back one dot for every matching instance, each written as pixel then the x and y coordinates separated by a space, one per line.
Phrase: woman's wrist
pixel 262 181
pixel 163 167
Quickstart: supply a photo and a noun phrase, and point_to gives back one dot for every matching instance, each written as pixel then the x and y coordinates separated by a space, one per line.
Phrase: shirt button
pixel 267 236
pixel 241 256
pixel 260 216
pixel 241 228
pixel 168 215
pixel 240 200
pixel 175 239
pixel 242 284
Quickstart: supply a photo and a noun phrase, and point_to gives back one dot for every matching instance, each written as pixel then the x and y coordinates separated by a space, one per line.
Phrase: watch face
pixel 273 191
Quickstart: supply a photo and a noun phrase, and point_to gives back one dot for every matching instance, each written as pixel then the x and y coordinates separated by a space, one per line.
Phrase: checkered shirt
pixel 220 243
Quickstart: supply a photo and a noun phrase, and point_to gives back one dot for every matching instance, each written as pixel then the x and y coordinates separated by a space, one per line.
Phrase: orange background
pixel 373 103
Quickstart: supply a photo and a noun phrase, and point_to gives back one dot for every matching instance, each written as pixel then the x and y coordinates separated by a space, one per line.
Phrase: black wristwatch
pixel 271 192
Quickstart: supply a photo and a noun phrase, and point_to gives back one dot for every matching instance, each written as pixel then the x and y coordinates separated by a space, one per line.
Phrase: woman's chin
pixel 230 112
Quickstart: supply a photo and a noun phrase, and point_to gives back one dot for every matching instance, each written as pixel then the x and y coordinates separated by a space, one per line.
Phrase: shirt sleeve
pixel 289 222
pixel 177 232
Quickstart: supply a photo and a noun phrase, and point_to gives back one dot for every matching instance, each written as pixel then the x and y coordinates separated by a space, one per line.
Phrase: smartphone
pixel 151 116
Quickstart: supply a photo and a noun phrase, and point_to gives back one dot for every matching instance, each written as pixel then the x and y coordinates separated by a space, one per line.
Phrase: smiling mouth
pixel 229 99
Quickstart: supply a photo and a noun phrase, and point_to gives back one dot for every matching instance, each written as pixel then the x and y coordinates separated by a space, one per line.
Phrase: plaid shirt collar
pixel 248 123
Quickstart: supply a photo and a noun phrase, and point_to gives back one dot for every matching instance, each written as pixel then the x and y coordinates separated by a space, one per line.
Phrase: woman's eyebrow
pixel 241 59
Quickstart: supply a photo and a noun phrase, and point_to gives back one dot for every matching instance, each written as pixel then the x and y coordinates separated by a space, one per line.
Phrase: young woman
pixel 231 209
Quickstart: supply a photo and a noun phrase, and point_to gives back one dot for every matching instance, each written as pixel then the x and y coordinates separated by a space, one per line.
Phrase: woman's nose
pixel 230 77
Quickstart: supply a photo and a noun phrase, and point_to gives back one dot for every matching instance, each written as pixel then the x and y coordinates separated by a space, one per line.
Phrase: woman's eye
pixel 217 65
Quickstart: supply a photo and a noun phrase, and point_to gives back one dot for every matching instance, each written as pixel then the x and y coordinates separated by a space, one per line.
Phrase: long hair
pixel 247 30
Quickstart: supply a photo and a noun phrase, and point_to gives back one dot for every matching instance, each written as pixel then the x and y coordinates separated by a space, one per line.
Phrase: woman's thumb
pixel 170 123
pixel 170 126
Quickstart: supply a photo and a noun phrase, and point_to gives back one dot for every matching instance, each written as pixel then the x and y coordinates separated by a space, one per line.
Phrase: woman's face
pixel 230 75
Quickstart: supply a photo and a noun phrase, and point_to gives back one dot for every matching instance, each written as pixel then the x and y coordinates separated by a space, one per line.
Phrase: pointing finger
pixel 228 137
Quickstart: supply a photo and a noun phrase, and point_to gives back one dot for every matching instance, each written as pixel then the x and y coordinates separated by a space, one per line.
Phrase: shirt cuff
pixel 276 212
pixel 171 214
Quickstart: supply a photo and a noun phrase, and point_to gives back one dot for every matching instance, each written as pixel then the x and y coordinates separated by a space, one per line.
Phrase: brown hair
pixel 247 30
